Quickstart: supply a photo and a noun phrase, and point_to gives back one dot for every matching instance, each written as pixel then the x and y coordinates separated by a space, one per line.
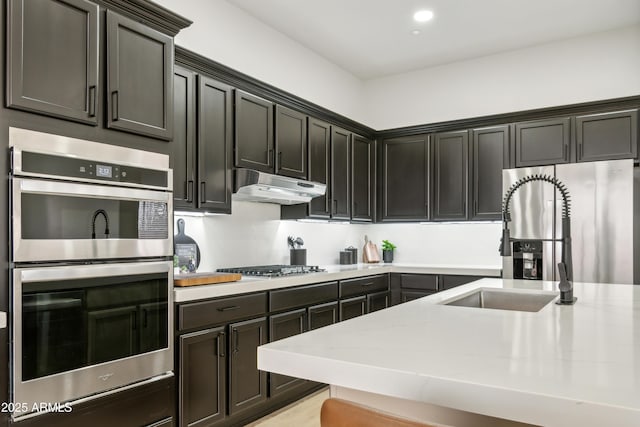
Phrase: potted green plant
pixel 387 251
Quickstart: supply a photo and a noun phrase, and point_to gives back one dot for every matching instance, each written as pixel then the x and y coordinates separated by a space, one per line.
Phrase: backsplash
pixel 255 235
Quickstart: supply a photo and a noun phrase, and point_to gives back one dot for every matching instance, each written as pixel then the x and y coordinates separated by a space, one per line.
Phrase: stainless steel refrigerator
pixel 605 222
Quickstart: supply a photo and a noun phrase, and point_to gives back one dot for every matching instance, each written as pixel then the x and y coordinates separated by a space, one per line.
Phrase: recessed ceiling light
pixel 422 16
pixel 415 32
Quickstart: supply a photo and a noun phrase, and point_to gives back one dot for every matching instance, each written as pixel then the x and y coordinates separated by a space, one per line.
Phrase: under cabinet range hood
pixel 256 186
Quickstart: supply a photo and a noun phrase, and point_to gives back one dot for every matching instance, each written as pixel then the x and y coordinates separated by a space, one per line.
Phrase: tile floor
pixel 303 413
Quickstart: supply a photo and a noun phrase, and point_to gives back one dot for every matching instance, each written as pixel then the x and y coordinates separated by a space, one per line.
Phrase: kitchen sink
pixel 503 299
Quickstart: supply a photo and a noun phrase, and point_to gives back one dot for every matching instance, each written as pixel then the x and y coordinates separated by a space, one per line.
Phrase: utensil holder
pixel 345 257
pixel 354 254
pixel 298 256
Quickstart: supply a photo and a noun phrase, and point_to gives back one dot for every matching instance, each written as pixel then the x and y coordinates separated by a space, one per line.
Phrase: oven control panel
pixel 74 168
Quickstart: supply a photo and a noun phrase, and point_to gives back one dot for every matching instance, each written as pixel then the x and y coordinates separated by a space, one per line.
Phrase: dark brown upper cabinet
pixel 215 130
pixel 450 175
pixel 543 142
pixel 202 137
pixel 340 174
pixel 362 178
pixel 607 136
pixel 52 58
pixel 183 152
pixel 405 178
pixel 139 78
pixel 291 143
pixel 254 133
pixel 489 154
pixel 319 165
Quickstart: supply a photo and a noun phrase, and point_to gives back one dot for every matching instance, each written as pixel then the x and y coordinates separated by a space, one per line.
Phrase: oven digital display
pixel 104 171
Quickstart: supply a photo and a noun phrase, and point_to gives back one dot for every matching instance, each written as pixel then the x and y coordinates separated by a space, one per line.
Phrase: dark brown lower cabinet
pixel 377 301
pixel 353 307
pixel 247 385
pixel 151 404
pixel 281 326
pixel 323 315
pixel 202 393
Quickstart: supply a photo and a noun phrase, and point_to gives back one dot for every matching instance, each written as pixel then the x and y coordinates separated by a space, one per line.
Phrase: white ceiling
pixel 372 38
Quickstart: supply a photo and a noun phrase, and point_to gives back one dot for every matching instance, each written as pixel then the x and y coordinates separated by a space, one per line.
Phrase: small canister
pixel 345 257
pixel 354 254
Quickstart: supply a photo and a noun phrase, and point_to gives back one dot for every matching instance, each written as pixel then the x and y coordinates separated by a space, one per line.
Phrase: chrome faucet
pixel 565 266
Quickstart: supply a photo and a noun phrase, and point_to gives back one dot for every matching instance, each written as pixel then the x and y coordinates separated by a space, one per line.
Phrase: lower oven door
pixel 82 330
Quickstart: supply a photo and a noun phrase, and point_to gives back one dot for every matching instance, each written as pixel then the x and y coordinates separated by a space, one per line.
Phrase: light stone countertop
pixel 333 272
pixel 561 366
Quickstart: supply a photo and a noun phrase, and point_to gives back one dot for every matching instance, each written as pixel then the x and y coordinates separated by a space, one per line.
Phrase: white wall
pixel 227 34
pixel 254 235
pixel 594 67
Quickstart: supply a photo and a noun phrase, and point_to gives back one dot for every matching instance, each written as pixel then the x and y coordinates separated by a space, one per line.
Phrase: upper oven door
pixel 60 221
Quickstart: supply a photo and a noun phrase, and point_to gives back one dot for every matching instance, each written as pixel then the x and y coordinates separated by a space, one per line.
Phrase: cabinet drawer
pixel 285 299
pixel 363 285
pixel 214 312
pixel 449 282
pixel 419 281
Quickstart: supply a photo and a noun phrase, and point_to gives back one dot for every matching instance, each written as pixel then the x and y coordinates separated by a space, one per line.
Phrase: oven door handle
pixel 70 272
pixel 36 186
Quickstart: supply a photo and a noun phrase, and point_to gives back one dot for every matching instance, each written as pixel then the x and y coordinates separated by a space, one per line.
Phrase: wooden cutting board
pixel 193 279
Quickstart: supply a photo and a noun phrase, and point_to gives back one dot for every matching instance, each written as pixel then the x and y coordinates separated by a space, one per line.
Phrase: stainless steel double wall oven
pixel 91 270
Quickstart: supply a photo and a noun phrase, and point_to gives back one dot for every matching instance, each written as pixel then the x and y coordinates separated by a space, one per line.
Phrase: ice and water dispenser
pixel 527 259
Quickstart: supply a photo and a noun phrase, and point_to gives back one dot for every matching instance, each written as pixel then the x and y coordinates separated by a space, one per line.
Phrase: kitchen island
pixel 560 366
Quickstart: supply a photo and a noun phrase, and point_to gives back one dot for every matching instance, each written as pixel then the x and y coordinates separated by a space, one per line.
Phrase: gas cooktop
pixel 272 270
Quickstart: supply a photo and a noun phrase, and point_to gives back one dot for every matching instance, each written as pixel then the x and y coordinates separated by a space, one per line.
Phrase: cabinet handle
pixel 475 207
pixel 269 156
pixel 135 320
pixel 581 151
pixel 229 308
pixel 189 191
pixel 367 284
pixel 235 341
pixel 144 318
pixel 220 351
pixel 92 101
pixel 564 152
pixel 114 105
pixel 335 206
pixel 279 164
pixel 203 192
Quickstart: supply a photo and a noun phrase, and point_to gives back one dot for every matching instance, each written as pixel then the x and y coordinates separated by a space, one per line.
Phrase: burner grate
pixel 272 270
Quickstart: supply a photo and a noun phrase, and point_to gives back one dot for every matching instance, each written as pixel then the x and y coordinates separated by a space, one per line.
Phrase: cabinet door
pixel 377 301
pixel 607 136
pixel 340 174
pixel 450 175
pixel 282 326
pixel 405 178
pixel 362 175
pixel 490 154
pixel 214 145
pixel 353 307
pixel 542 142
pixel 323 315
pixel 291 143
pixel 139 79
pixel 52 53
pixel 319 161
pixel 183 153
pixel 113 333
pixel 247 385
pixel 202 377
pixel 409 295
pixel 254 132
